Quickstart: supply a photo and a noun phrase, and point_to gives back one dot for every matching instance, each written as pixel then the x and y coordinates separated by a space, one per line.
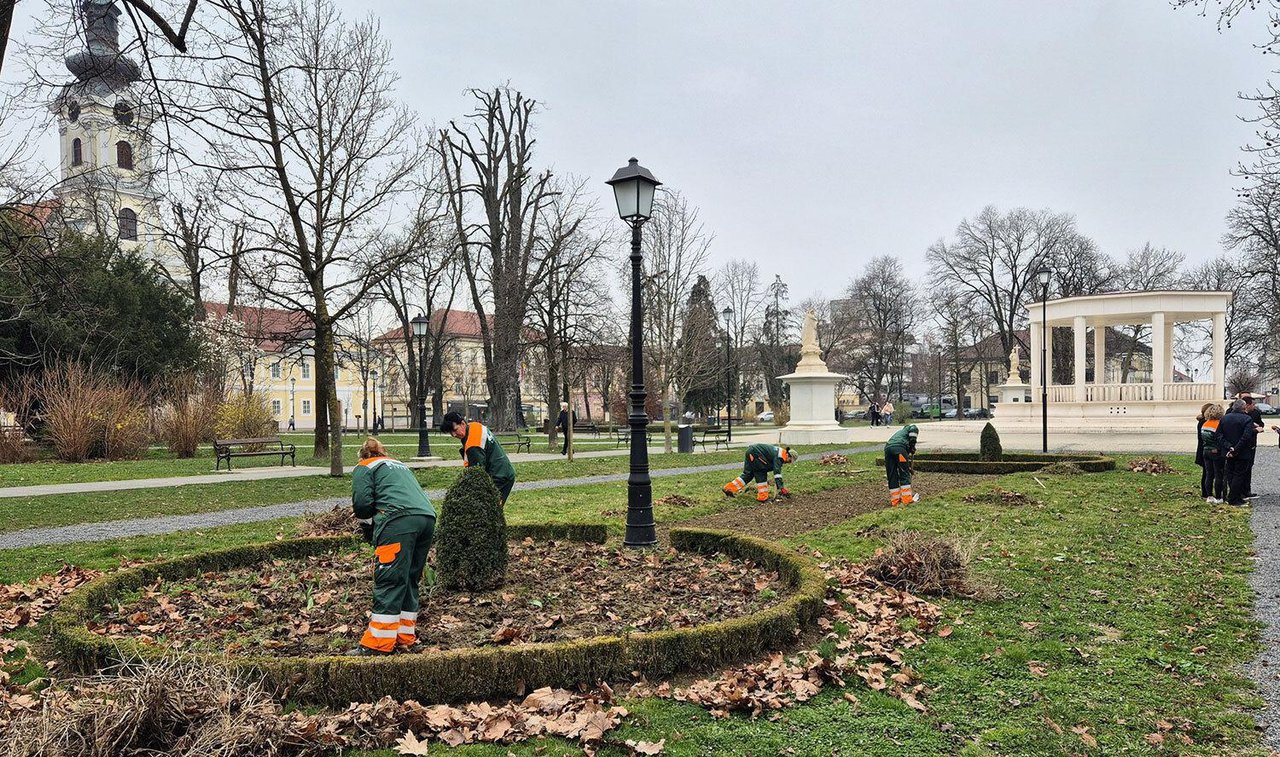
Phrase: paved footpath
pixel 258 474
pixel 1264 519
pixel 116 529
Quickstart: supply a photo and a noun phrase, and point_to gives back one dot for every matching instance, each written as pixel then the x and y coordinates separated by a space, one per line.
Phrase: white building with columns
pixel 1160 404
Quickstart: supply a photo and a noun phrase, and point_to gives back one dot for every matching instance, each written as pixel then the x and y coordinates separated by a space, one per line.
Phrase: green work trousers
pixel 400 556
pixel 897 466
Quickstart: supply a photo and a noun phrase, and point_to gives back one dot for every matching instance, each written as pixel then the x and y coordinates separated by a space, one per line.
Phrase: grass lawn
pixel 160 463
pixel 1125 608
pixel 17 513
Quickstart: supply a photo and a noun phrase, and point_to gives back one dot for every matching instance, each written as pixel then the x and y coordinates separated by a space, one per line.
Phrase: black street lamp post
pixel 419 324
pixel 1043 277
pixel 373 377
pixel 633 188
pixel 727 314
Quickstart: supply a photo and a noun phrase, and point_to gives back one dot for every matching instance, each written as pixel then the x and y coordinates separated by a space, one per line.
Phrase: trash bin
pixel 685 438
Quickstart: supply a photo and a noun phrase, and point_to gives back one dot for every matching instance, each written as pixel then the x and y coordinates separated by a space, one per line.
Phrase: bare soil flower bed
pixel 555 591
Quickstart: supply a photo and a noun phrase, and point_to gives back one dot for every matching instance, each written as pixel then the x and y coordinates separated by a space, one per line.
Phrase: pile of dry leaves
pixel 926 564
pixel 555 591
pixel 875 616
pixel 336 522
pixel 676 500
pixel 1154 465
pixel 832 458
pixel 176 707
pixel 24 604
pixel 998 496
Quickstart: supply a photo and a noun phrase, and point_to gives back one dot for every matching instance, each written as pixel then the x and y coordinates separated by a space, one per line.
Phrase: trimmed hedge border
pixel 465 674
pixel 1010 462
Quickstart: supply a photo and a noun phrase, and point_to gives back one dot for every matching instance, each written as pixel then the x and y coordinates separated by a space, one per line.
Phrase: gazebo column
pixel 1035 333
pixel 1219 353
pixel 1099 354
pixel 1168 351
pixel 1159 336
pixel 1048 354
pixel 1079 327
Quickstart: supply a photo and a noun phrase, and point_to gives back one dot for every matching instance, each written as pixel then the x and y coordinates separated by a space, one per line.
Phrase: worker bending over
pixel 898 452
pixel 756 464
pixel 481 449
pixel 397 518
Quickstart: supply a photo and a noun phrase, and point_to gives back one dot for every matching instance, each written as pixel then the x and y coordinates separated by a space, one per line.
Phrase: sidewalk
pixel 116 529
pixel 258 474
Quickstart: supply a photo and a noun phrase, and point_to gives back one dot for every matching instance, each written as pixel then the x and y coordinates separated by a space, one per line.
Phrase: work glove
pixel 784 492
pixel 366 530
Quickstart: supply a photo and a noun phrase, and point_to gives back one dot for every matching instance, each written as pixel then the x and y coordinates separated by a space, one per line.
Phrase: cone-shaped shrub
pixel 471 548
pixel 989 448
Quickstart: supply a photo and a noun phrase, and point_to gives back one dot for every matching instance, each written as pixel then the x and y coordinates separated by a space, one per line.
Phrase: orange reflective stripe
pixel 387 552
pixel 385 626
pixel 380 644
pixel 475 438
pixel 902 458
pixel 371 460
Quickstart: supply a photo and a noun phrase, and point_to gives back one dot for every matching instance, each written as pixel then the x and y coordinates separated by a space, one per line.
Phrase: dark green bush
pixel 471 548
pixel 989 448
pixel 1010 462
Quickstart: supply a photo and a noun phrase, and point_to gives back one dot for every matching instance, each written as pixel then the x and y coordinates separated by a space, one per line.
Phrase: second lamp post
pixel 727 314
pixel 419 324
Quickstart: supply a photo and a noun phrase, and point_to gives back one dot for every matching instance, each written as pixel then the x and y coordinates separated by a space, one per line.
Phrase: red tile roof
pixel 458 324
pixel 273 329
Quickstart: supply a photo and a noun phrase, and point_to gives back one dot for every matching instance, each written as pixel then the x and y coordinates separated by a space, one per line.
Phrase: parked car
pixel 1266 409
pixel 977 412
pixel 950 413
pixel 765 417
pixel 858 415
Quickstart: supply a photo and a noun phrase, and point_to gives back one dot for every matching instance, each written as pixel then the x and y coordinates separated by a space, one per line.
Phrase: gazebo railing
pixel 1175 391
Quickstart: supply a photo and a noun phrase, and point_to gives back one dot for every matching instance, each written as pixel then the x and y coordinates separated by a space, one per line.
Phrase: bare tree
pixel 678 247
pixel 315 157
pixel 571 303
pixel 1248 341
pixel 498 200
pixel 995 257
pixel 882 300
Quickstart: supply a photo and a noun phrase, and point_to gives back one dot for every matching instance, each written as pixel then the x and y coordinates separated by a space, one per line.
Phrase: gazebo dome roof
pixel 1113 308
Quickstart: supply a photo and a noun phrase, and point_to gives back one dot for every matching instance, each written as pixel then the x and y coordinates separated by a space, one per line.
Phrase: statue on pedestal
pixel 810 353
pixel 1015 377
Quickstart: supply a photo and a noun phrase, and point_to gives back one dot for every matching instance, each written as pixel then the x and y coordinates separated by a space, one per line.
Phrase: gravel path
pixel 1264 518
pixel 116 529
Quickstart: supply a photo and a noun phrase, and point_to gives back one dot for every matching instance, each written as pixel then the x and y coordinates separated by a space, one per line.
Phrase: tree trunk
pixel 326 390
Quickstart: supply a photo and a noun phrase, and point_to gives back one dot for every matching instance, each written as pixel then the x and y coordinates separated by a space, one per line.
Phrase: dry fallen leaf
pixel 410 745
pixel 1083 732
pixel 647 747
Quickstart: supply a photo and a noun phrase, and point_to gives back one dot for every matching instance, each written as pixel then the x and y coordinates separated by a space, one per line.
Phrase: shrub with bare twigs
pixel 244 416
pixel 188 418
pixel 91 414
pixel 926 564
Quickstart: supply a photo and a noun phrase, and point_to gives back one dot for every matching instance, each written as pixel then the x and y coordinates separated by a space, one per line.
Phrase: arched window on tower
pixel 128 225
pixel 124 155
pixel 77 152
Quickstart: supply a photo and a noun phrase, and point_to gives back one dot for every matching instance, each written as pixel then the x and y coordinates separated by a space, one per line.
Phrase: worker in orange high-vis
pixel 397 518
pixel 758 461
pixel 480 448
pixel 898 452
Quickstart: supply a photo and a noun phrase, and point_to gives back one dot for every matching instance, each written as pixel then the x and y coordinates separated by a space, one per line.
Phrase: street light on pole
pixel 293 404
pixel 373 376
pixel 727 314
pixel 633 189
pixel 420 323
pixel 1043 276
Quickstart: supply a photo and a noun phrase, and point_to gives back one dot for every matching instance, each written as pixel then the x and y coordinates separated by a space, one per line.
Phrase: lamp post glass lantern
pixel 419 324
pixel 633 189
pixel 727 314
pixel 1043 276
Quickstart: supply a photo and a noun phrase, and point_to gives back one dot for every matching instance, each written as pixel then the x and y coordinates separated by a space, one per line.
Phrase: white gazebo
pixel 1160 404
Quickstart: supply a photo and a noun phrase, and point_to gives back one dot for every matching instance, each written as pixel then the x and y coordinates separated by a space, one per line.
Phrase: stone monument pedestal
pixel 813 395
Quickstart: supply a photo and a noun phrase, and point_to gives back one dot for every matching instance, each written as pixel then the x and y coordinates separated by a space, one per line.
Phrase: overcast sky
pixel 814 135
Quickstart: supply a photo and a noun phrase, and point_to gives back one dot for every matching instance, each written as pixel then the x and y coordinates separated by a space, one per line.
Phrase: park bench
pixel 223 449
pixel 716 436
pixel 586 428
pixel 621 436
pixel 523 442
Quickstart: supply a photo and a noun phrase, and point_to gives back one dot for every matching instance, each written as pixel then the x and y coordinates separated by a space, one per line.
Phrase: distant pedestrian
pixel 886 413
pixel 873 413
pixel 291 423
pixel 562 423
pixel 1251 409
pixel 1209 454
pixel 1237 441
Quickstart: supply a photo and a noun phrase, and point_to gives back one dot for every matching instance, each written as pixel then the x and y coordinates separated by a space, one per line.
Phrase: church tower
pixel 107 168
